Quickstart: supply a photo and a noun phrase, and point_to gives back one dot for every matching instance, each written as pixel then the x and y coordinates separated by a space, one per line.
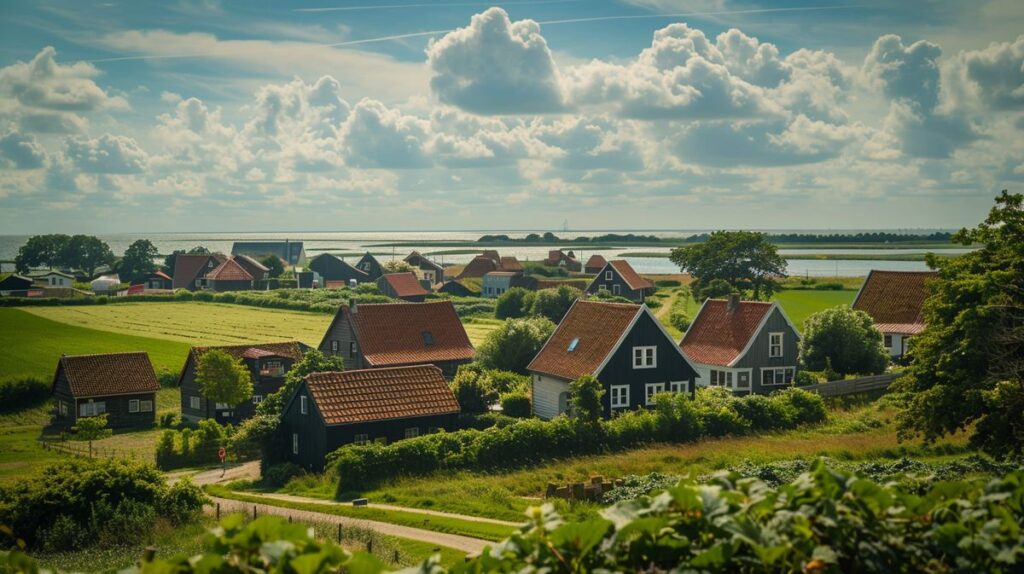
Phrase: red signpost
pixel 222 453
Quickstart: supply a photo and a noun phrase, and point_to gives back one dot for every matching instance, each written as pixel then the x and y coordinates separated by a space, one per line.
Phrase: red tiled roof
pixel 230 270
pixel 631 277
pixel 381 394
pixel 718 337
pixel 288 349
pixel 253 267
pixel 404 284
pixel 187 268
pixel 511 264
pixel 257 353
pixel 596 262
pixel 109 374
pixel 393 333
pixel 597 325
pixel 478 267
pixel 162 275
pixel 894 299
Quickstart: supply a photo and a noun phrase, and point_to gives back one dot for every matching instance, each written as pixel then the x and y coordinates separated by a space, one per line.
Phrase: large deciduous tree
pixel 41 250
pixel 968 365
pixel 746 260
pixel 223 378
pixel 554 303
pixel 87 253
pixel 273 264
pixel 139 260
pixel 512 346
pixel 843 339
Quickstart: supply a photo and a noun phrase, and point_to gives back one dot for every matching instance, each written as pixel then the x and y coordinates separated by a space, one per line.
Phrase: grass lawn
pixel 478 327
pixel 195 323
pixel 800 304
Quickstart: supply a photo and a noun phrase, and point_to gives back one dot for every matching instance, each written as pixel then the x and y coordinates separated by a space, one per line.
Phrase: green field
pixel 800 304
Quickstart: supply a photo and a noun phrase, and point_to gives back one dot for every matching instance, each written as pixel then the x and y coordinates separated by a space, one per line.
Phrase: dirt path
pixel 461 543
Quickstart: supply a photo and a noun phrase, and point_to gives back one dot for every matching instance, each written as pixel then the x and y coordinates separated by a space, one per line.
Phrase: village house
pixel 336 272
pixel 478 267
pixel 368 264
pixel 158 280
pixel 595 264
pixel 458 288
pixel 268 363
pixel 290 252
pixel 53 278
pixel 622 345
pixel 618 278
pixel 510 264
pixel 190 270
pixel 427 270
pixel 895 300
pixel 558 258
pixel 381 335
pixel 121 385
pixel 330 410
pixel 748 347
pixel 405 286
pixel 230 276
pixel 15 285
pixel 496 283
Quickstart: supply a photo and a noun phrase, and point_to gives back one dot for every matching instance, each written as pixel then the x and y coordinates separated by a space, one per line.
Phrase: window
pixel 334 346
pixel 62 408
pixel 257 399
pixel 679 386
pixel 221 406
pixel 91 409
pixel 774 345
pixel 721 379
pixel 295 443
pixel 194 403
pixel 620 396
pixel 428 338
pixel 272 369
pixel 645 357
pixel 616 289
pixel 777 376
pixel 133 405
pixel 652 389
pixel 352 349
pixel 573 343
pixel 412 432
pixel 303 406
pixel 146 406
pixel 607 275
pixel 602 288
pixel 361 439
pixel 888 341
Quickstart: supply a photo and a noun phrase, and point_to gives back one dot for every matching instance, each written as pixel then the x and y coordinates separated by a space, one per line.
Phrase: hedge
pixel 675 418
pixel 16 394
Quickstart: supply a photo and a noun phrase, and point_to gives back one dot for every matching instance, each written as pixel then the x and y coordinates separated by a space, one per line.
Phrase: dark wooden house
pixel 618 278
pixel 405 286
pixel 190 270
pixel 290 252
pixel 429 271
pixel 748 347
pixel 15 285
pixel 230 276
pixel 268 363
pixel 595 264
pixel 122 385
pixel 623 346
pixel 478 267
pixel 158 280
pixel 895 301
pixel 397 334
pixel 368 264
pixel 458 289
pixel 558 258
pixel 331 410
pixel 332 268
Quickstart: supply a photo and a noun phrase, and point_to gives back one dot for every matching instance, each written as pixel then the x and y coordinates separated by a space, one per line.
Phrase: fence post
pixel 339 533
pixel 254 512
pixel 218 512
pixel 396 557
pixel 369 545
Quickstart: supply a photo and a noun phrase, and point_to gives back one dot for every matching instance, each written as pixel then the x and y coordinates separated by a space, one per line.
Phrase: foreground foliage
pixel 824 521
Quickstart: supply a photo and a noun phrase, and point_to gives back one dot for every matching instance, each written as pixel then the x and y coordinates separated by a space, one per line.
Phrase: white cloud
pixel 107 154
pixel 993 76
pixel 21 151
pixel 375 136
pixel 495 66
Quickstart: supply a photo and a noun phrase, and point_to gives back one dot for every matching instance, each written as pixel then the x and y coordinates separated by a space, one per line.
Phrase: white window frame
pixel 221 406
pixel 295 443
pixel 133 405
pixel 412 432
pixel 679 387
pixel 774 353
pixel 257 399
pixel 334 346
pixel 92 408
pixel 608 276
pixel 887 341
pixel 645 357
pixel 616 289
pixel 602 288
pixel 62 408
pixel 619 397
pixel 195 402
pixel 744 387
pixel 303 405
pixel 651 389
pixel 353 349
pixel 145 406
pixel 775 376
pixel 361 438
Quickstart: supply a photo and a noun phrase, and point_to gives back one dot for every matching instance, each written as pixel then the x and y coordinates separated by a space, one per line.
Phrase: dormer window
pixel 573 343
pixel 428 338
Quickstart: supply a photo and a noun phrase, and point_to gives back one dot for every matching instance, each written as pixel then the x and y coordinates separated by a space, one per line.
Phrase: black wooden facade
pixel 611 281
pixel 267 378
pixel 333 268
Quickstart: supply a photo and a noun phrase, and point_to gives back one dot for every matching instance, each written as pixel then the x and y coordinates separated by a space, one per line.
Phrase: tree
pixel 139 260
pixel 87 253
pixel 223 379
pixel 512 346
pixel 514 303
pixel 585 398
pixel 274 264
pixel 967 366
pixel 313 361
pixel 90 429
pixel 473 390
pixel 844 340
pixel 170 259
pixel 397 266
pixel 746 260
pixel 41 250
pixel 554 303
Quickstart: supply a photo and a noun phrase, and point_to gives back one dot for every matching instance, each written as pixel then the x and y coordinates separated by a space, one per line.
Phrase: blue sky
pixel 420 114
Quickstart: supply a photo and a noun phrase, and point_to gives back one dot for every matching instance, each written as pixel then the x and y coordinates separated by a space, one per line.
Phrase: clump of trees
pixel 139 260
pixel 512 346
pixel 84 252
pixel 477 388
pixel 554 303
pixel 222 378
pixel 732 261
pixel 844 341
pixel 514 303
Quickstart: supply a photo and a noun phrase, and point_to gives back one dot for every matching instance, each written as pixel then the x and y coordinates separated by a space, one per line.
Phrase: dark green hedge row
pixel 715 412
pixel 16 394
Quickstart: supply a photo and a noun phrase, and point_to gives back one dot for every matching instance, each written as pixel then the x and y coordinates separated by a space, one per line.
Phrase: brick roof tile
pixel 718 337
pixel 392 333
pixel 381 394
pixel 108 374
pixel 597 325
pixel 894 299
pixel 404 284
pixel 629 275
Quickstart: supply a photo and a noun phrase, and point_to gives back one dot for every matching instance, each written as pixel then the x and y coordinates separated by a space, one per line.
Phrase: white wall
pixel 545 395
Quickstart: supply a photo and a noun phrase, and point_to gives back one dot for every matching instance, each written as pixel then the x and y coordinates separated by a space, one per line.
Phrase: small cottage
pixel 53 279
pixel 158 280
pixel 121 385
pixel 372 336
pixel 748 347
pixel 330 410
pixel 496 283
pixel 336 271
pixel 478 267
pixel 458 288
pixel 618 278
pixel 427 270
pixel 15 285
pixel 368 264
pixel 190 270
pixel 558 258
pixel 230 276
pixel 268 363
pixel 895 300
pixel 405 286
pixel 623 346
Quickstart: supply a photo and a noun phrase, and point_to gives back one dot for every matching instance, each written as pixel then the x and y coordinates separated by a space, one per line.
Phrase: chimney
pixel 352 305
pixel 733 304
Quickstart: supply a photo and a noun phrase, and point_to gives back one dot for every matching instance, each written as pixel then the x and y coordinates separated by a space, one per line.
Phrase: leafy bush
pixel 553 303
pixel 667 283
pixel 844 340
pixel 17 394
pixel 472 389
pixel 168 420
pixel 188 447
pixel 516 404
pixel 804 379
pixel 168 380
pixel 514 303
pixel 278 475
pixel 512 346
pixel 679 320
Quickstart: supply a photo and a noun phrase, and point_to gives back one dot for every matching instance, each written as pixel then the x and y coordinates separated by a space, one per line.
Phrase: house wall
pixel 333 269
pixel 261 386
pixel 898 345
pixel 117 407
pixel 493 287
pixel 216 285
pixel 757 357
pixel 600 281
pixel 547 392
pixel 56 281
pixel 341 331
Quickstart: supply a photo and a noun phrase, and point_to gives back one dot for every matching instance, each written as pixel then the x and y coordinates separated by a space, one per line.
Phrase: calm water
pixel 358 242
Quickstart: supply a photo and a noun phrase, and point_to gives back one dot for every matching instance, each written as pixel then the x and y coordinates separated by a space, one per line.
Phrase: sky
pixel 348 115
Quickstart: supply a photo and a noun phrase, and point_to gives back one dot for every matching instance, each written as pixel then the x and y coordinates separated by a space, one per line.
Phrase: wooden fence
pixel 854 386
pixel 81 448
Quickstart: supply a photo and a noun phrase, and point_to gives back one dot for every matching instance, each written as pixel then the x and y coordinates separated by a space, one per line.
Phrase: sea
pixel 351 245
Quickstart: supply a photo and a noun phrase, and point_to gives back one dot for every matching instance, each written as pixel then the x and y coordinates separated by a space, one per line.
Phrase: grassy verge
pixel 800 304
pixel 479 327
pixel 481 530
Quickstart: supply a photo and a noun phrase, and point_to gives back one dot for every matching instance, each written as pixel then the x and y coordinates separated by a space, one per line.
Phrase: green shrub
pixel 182 502
pixel 278 475
pixel 63 535
pixel 679 320
pixel 514 303
pixel 516 404
pixel 804 379
pixel 512 346
pixel 555 302
pixel 473 390
pixel 667 283
pixel 17 394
